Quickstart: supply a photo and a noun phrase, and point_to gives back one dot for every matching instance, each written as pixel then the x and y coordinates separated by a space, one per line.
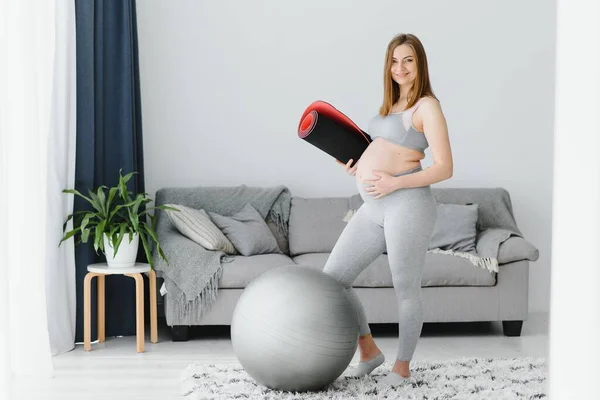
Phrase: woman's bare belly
pixel 383 155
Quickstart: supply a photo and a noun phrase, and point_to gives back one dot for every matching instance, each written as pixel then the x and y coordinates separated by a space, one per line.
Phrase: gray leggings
pixel 403 220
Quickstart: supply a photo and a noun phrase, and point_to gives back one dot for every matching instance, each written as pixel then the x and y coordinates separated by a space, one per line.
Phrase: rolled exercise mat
pixel 326 128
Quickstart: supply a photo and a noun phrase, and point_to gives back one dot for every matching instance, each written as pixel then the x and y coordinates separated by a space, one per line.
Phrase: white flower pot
pixel 126 254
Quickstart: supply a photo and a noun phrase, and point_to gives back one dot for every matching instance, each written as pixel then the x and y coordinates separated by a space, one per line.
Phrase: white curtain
pixel 37 161
pixel 60 277
pixel 575 292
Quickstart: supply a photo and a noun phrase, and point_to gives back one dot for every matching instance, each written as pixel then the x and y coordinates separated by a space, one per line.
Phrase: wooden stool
pixel 101 270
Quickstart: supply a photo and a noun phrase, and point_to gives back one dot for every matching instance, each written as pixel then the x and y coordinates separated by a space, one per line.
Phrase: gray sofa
pixel 454 289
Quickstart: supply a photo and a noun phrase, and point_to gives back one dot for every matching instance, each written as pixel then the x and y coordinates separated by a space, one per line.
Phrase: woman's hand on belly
pixel 382 185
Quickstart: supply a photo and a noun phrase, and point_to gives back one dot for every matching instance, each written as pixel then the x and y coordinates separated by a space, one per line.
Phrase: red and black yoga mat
pixel 326 128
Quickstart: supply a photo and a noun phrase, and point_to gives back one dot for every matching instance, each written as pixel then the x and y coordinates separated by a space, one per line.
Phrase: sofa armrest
pixel 515 249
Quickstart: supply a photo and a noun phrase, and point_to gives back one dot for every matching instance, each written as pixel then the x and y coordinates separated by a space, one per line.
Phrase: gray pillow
pixel 247 231
pixel 455 228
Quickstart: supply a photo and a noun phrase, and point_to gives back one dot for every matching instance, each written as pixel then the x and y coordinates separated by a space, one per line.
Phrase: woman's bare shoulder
pixel 429 101
pixel 430 105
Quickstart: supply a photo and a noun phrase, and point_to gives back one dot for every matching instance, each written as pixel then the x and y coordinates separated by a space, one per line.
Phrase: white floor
pixel 113 370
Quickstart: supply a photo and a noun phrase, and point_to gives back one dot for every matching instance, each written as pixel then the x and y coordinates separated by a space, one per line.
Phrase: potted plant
pixel 115 217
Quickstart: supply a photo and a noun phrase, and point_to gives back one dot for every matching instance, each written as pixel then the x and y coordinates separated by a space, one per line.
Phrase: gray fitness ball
pixel 294 328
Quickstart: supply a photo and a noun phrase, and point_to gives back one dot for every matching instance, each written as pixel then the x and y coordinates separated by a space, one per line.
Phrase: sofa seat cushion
pixel 238 273
pixel 439 270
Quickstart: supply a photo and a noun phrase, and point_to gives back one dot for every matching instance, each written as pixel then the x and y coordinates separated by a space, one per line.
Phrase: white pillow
pixel 197 225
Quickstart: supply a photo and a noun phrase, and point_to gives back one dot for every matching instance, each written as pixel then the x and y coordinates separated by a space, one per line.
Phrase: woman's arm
pixel 436 132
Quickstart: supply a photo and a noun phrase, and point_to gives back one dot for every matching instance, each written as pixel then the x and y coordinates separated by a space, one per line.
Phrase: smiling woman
pixel 398 130
pixel 394 188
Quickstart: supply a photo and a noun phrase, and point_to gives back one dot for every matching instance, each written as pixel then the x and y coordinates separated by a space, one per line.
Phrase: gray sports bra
pixel 398 128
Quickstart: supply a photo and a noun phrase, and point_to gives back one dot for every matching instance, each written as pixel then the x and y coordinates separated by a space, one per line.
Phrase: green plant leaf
pixel 162 254
pixel 139 201
pixel 111 195
pixel 112 230
pixel 76 192
pixel 122 229
pixel 69 217
pixel 150 232
pixel 147 250
pixel 102 199
pixel 85 221
pixel 98 236
pixel 68 235
pixel 76 216
pixel 95 202
pixel 123 185
pixel 133 218
pixel 85 235
pixel 118 208
pixel 127 177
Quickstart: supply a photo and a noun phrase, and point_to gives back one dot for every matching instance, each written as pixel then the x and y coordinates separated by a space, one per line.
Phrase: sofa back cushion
pixel 316 223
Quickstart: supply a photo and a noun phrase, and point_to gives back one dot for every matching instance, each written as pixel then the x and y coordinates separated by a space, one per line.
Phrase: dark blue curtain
pixel 109 135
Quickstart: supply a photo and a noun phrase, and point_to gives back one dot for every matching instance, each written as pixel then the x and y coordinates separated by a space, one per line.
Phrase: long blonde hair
pixel 421 86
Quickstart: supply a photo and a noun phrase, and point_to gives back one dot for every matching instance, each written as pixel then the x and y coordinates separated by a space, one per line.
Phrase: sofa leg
pixel 512 328
pixel 180 333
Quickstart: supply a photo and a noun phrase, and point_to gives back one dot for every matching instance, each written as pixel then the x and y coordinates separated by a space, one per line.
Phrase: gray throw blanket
pixel 495 223
pixel 193 273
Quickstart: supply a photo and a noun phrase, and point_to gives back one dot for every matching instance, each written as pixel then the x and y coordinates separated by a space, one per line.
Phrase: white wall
pixel 575 299
pixel 225 83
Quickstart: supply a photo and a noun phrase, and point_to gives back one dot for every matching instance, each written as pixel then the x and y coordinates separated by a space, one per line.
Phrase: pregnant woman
pixel 399 210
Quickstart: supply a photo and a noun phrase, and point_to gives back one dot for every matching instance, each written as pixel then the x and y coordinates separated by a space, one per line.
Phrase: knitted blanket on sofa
pixel 192 273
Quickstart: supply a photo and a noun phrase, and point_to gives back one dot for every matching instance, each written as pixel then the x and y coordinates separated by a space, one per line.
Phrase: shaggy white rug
pixel 464 378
